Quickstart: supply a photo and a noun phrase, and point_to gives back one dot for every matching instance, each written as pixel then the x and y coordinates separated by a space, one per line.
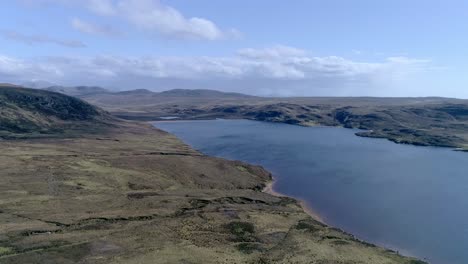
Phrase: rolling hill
pixel 32 113
pixel 202 93
pixel 78 90
pixel 427 121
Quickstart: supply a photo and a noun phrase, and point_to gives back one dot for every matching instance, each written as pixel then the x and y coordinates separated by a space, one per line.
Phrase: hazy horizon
pixel 264 48
pixel 112 90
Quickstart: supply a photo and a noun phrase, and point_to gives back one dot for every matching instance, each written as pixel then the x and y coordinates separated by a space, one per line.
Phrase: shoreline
pixel 269 189
pixel 308 209
pixel 270 184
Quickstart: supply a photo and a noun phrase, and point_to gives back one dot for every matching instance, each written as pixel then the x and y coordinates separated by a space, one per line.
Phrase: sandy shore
pixel 270 190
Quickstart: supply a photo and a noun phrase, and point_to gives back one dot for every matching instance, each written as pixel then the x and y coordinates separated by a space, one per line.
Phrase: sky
pixel 261 47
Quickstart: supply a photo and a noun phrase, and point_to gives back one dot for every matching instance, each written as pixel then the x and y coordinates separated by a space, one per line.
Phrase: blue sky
pixel 340 48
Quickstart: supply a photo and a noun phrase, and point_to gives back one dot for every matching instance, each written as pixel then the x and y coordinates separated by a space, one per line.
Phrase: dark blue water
pixel 413 199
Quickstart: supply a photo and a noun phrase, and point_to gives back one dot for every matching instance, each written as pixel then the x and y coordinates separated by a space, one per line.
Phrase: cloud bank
pixel 40 39
pixel 278 70
pixel 94 29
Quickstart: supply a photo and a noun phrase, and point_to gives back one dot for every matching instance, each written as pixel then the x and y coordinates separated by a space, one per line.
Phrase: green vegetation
pixel 241 168
pixel 5 251
pixel 306 225
pixel 242 231
pixel 248 248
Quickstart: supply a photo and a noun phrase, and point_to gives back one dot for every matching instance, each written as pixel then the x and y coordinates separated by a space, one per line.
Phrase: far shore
pixel 367 133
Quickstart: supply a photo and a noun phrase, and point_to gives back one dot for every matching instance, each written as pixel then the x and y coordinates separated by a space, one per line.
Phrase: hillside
pixel 78 90
pixel 33 113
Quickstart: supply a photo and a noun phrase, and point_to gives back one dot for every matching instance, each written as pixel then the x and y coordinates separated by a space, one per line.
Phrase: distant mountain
pixel 141 98
pixel 135 92
pixel 9 85
pixel 201 93
pixel 37 84
pixel 91 91
pixel 31 112
pixel 78 90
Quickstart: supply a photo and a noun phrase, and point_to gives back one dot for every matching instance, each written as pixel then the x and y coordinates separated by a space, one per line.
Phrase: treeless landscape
pixel 130 193
pixel 426 121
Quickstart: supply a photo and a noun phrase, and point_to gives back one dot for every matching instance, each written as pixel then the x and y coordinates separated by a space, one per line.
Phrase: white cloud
pixel 276 70
pixel 166 20
pixel 9 66
pixel 275 52
pixel 35 3
pixel 93 29
pixel 151 16
pixel 102 7
pixel 406 60
pixel 14 68
pixel 40 39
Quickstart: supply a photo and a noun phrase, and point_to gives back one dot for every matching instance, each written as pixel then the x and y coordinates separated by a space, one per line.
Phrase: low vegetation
pixel 135 194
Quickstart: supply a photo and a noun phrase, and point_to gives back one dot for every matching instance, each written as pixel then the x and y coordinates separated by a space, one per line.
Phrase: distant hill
pixel 91 91
pixel 203 93
pixel 135 92
pixel 428 121
pixel 9 85
pixel 32 113
pixel 141 98
pixel 37 84
pixel 78 90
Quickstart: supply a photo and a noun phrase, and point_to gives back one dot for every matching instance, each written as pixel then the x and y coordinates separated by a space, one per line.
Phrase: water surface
pixel 408 198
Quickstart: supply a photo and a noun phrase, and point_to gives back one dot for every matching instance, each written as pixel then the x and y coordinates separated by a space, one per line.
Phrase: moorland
pixel 78 185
